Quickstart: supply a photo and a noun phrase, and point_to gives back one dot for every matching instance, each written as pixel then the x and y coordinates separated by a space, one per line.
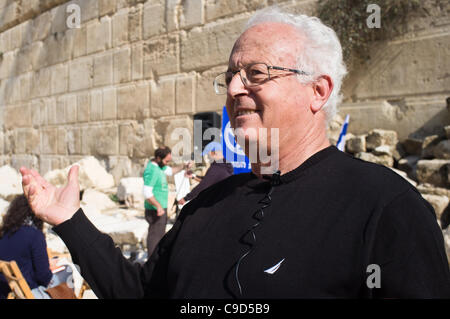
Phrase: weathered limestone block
pixel 385 160
pixel 91 174
pixel 96 111
pixel 97 200
pixel 137 61
pixel 120 27
pixel 49 141
pixel 433 171
pixel 80 74
pixel 79 38
pixel 153 19
pixel 11 185
pixel 428 145
pixel 59 79
pixel 356 144
pixel 100 140
pixel 135 23
pixel 438 202
pixel 17 116
pixel 40 84
pixel 412 146
pixel 83 106
pixel 133 101
pixel 163 97
pixel 73 141
pixel 19 160
pixel 98 35
pixel 192 13
pixel 71 108
pixel 161 55
pixel 122 65
pixel 106 7
pixel 138 140
pixel 408 164
pixel 200 48
pixel 129 190
pixel 442 150
pixel 32 139
pixel 120 167
pixel 61 109
pixel 185 94
pixel 378 137
pixel 168 128
pixel 41 26
pixel 218 9
pixel 58 47
pixel 62 141
pixel 109 104
pixel 432 190
pixel 206 99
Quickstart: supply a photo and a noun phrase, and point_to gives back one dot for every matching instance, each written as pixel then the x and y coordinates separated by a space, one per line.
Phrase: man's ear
pixel 322 89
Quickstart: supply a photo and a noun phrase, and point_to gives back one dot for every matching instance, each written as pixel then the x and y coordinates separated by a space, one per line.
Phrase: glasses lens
pixel 256 74
pixel 221 83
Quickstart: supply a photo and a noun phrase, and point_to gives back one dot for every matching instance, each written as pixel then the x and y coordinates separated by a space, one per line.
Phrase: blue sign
pixel 233 153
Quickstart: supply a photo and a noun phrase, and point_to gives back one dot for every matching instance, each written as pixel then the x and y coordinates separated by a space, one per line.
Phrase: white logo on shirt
pixel 273 269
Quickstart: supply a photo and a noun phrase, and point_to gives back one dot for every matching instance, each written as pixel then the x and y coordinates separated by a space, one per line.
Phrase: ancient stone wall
pixel 135 70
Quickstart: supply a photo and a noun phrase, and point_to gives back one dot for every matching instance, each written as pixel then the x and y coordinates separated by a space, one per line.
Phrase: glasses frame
pixel 245 80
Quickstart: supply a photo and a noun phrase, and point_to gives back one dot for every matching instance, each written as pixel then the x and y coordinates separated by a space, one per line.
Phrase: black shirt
pixel 215 173
pixel 318 232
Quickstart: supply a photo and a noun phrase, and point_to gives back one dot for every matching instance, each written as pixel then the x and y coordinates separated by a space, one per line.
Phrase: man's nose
pixel 236 85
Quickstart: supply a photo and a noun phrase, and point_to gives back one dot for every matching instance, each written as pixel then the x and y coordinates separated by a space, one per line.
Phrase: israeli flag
pixel 341 141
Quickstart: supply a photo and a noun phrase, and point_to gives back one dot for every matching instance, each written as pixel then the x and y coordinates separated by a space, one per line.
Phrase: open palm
pixel 51 204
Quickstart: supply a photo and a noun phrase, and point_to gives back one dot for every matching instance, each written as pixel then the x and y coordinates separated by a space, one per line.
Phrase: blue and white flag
pixel 232 152
pixel 341 141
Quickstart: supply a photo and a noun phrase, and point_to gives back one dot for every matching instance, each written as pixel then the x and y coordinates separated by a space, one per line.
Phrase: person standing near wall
pixel 156 193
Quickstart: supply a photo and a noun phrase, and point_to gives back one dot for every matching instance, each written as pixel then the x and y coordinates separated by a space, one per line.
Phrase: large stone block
pixel 50 111
pixel 103 69
pixel 378 137
pixel 80 74
pixel 71 109
pixel 135 23
pixel 100 140
pixel 106 7
pixel 161 56
pixel 434 172
pixel 163 97
pixel 185 94
pixel 122 65
pixel 192 13
pixel 138 140
pixel 217 9
pixel 40 86
pixel 133 102
pixel 17 116
pixel 96 111
pixel 61 109
pixel 59 79
pixel 166 127
pixel 73 140
pixel 109 104
pixel 79 41
pixel 98 35
pixel 153 19
pixel 49 141
pixel 211 45
pixel 41 26
pixel 388 72
pixel 83 106
pixel 206 98
pixel 59 47
pixel 120 27
pixel 7 64
pixel 62 141
pixel 137 62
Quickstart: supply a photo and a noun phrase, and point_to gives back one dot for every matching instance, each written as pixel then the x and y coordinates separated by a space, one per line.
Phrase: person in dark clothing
pixel 22 240
pixel 313 222
pixel 217 171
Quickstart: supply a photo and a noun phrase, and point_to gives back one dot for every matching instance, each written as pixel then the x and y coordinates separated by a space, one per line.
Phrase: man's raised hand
pixel 51 204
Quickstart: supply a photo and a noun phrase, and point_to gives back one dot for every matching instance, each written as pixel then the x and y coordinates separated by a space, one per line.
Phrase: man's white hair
pixel 320 55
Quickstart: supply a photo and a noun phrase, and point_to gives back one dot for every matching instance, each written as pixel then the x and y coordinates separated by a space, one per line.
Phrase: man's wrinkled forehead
pixel 267 42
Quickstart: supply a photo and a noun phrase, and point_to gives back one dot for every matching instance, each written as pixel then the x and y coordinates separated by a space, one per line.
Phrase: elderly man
pixel 313 223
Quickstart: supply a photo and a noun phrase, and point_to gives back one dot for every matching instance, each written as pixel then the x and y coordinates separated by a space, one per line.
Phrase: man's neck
pixel 294 151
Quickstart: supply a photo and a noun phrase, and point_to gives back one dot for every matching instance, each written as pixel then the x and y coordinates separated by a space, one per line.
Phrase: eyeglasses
pixel 251 75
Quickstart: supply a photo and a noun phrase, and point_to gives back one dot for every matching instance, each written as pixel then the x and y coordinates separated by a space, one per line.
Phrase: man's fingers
pixel 73 174
pixel 39 179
